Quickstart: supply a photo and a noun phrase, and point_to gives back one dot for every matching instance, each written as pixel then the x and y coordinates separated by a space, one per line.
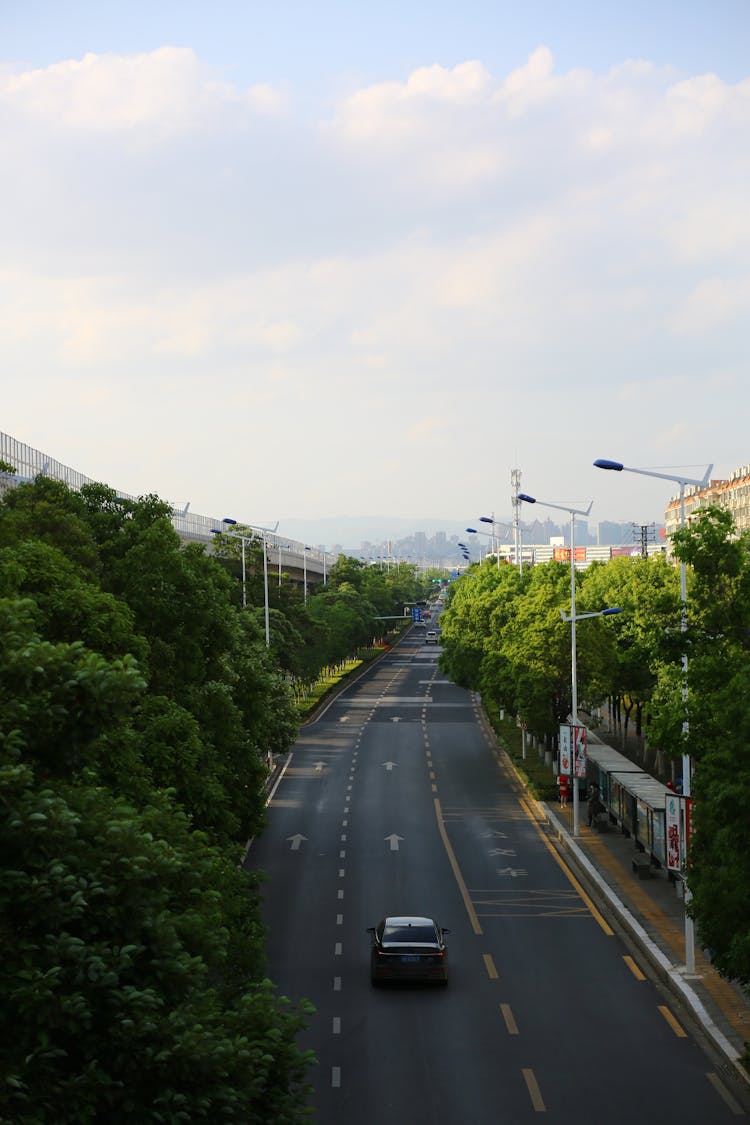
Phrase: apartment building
pixel 733 494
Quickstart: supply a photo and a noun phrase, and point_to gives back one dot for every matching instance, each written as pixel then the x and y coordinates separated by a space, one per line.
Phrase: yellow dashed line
pixel 489 965
pixel 535 1093
pixel 634 968
pixel 677 1028
pixel 510 1023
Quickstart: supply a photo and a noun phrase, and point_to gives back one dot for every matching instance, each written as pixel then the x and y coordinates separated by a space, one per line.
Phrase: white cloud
pixel 507 256
pixel 168 89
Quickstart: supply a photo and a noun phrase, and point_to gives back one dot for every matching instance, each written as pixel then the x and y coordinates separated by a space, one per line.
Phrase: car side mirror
pixel 370 930
pixel 445 930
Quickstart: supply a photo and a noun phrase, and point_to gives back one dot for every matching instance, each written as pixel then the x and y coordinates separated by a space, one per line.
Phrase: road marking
pixel 569 874
pixel 338 949
pixel 335 1077
pixel 337 984
pixel 340 894
pixel 393 840
pixel 342 872
pixel 344 823
pixel 489 965
pixel 634 968
pixel 677 1028
pixel 510 1023
pixel 434 788
pixel 432 775
pixel 535 1093
pixel 456 869
pixel 342 853
pixel 296 841
pixel 336 1028
pixel 343 837
pixel 389 766
pixel 722 1091
pixel 339 919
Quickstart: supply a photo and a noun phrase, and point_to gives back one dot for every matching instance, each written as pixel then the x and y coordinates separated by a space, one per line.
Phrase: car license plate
pixel 409 958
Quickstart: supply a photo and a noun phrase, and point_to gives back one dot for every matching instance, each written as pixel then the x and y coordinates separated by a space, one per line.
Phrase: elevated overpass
pixel 288 556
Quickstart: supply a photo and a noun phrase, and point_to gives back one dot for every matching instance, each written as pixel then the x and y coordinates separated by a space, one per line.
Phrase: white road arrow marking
pixel 319 766
pixel 502 851
pixel 296 841
pixel 497 835
pixel 393 839
pixel 512 871
pixel 344 719
pixel 395 719
pixel 389 766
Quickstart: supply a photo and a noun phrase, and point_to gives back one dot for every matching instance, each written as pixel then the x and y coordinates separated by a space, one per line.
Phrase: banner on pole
pixel 674 829
pixel 579 751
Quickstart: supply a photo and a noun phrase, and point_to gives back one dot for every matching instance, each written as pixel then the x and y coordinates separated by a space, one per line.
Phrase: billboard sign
pixel 566 750
pixel 675 834
pixel 579 751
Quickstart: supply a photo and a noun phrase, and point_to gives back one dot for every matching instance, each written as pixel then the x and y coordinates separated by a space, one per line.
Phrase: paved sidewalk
pixel 653 913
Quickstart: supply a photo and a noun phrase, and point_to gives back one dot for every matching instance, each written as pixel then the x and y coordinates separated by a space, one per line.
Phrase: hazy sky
pixel 322 258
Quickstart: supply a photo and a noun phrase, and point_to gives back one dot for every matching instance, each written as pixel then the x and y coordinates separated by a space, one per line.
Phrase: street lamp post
pixel 304 571
pixel 249 539
pixel 683 481
pixel 573 618
pixel 573 512
pixel 498 523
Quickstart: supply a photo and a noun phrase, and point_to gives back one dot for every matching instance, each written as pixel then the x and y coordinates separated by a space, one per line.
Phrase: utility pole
pixel 515 482
pixel 644 533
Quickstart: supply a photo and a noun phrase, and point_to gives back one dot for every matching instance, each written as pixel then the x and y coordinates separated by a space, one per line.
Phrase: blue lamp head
pixel 525 496
pixel 603 463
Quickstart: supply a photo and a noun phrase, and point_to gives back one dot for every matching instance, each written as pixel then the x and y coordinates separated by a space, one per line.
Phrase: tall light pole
pixel 683 481
pixel 573 512
pixel 515 480
pixel 249 539
pixel 304 571
pixel 496 523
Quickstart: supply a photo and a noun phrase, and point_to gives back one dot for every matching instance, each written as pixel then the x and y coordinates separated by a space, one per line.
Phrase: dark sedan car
pixel 408 948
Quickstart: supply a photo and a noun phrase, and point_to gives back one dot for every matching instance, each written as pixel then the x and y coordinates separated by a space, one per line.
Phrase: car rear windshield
pixel 409 934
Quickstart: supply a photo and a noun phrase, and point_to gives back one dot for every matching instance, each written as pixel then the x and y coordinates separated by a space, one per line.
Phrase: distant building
pixel 732 494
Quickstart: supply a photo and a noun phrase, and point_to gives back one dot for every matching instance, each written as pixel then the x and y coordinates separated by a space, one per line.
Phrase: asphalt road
pixel 395 801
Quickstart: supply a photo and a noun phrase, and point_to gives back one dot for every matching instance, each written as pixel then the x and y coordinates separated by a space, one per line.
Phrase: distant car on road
pixel 408 947
pixel 431 638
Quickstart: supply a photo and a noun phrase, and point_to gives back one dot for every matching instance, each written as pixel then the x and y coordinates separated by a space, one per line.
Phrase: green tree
pixel 128 945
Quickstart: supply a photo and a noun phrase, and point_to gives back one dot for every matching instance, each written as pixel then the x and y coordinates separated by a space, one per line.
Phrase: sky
pixel 318 259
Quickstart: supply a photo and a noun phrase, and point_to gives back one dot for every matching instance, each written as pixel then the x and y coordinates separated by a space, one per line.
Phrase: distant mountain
pixel 350 532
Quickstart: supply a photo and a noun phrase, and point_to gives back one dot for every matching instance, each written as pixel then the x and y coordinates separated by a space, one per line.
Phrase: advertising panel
pixel 675 843
pixel 579 751
pixel 566 750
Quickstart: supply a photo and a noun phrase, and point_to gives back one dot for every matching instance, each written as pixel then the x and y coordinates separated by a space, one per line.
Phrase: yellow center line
pixel 510 1023
pixel 634 968
pixel 535 1093
pixel 456 869
pixel 489 965
pixel 569 874
pixel 676 1027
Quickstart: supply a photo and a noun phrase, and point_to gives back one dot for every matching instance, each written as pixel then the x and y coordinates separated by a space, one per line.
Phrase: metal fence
pixel 29 463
